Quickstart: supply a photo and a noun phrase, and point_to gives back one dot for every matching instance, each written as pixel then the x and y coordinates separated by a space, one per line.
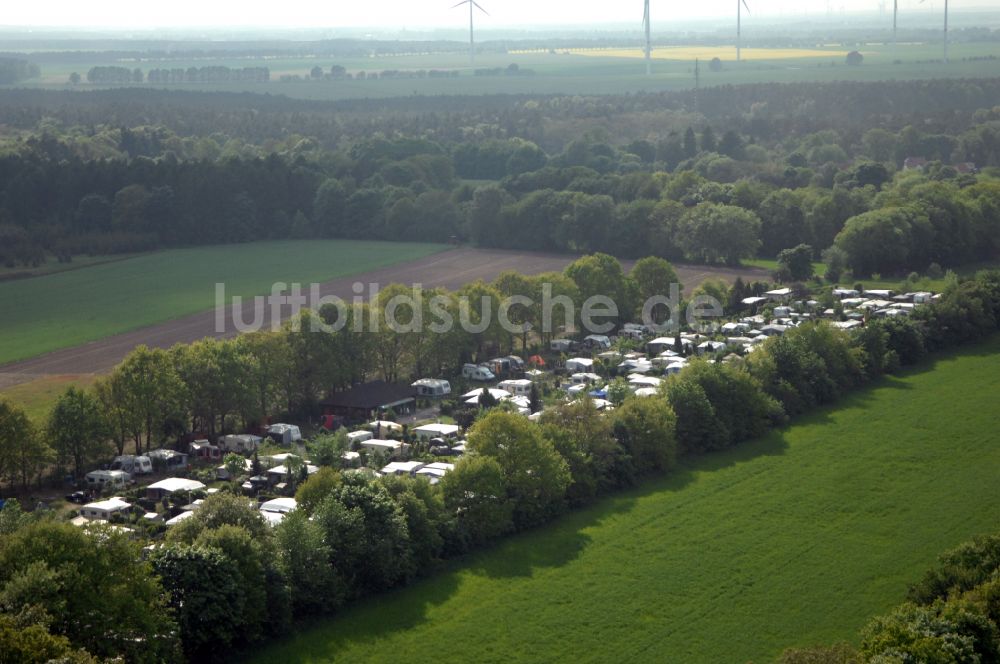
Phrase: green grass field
pixel 37 397
pixel 52 265
pixel 565 72
pixel 794 539
pixel 69 308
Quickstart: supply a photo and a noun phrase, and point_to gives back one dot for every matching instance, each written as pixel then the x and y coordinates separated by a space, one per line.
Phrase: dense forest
pixel 715 175
pixel 13 70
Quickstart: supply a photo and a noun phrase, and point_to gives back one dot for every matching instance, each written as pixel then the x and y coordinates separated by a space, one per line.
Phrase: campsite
pixel 500 332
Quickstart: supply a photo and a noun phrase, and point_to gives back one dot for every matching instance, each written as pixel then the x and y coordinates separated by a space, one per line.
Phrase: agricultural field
pixel 688 53
pixel 38 396
pixel 794 539
pixel 69 308
pixel 51 265
pixel 566 71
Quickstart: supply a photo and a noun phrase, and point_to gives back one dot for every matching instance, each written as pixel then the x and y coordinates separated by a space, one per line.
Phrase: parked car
pixel 78 497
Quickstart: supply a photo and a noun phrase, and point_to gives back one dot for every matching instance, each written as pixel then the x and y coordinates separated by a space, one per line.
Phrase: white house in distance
pixel 284 434
pixel 180 517
pixel 432 387
pixel 358 437
pixel 169 459
pixel 579 364
pixel 241 443
pixel 103 510
pixel 280 474
pixel 516 387
pixel 385 425
pixel 158 490
pixel 389 447
pixel 444 431
pixel 779 294
pixel 274 510
pixel 435 471
pixel 401 468
pixel 660 344
pixel 103 480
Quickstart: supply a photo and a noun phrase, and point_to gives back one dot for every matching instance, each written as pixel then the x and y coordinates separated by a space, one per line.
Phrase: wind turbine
pixel 473 5
pixel 649 48
pixel 895 16
pixel 945 29
pixel 740 4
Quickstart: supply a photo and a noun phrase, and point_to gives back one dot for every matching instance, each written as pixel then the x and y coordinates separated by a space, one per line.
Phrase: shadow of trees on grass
pixel 562 541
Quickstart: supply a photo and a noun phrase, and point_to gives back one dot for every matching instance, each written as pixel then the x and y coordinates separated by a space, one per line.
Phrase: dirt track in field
pixel 450 269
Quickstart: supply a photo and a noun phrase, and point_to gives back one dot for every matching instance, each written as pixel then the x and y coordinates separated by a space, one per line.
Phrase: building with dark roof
pixel 371 400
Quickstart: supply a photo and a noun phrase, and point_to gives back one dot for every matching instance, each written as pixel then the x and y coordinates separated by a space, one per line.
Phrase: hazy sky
pixel 416 13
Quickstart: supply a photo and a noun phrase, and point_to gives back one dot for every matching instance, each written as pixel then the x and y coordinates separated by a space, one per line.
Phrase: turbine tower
pixel 895 16
pixel 740 4
pixel 945 29
pixel 473 6
pixel 649 48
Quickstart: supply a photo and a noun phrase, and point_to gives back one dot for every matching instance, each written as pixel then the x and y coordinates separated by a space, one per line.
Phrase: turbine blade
pixel 461 3
pixel 476 4
pixel 746 6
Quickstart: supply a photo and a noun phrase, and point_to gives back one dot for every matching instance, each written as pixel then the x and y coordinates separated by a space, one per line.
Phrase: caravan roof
pixel 110 505
pixel 172 484
pixel 279 505
pixel 438 429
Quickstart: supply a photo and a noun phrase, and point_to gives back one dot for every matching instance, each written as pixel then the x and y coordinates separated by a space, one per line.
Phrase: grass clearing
pixel 793 539
pixel 61 310
pixel 37 397
pixel 819 268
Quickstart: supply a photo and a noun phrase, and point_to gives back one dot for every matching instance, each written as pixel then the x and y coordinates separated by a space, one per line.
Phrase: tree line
pixel 15 70
pixel 710 208
pixel 765 113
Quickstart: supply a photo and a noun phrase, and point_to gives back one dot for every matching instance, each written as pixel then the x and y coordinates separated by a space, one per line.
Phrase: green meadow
pixel 68 308
pixel 797 538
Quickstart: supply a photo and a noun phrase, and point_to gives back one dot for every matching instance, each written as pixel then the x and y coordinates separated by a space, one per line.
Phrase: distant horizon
pixel 434 15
